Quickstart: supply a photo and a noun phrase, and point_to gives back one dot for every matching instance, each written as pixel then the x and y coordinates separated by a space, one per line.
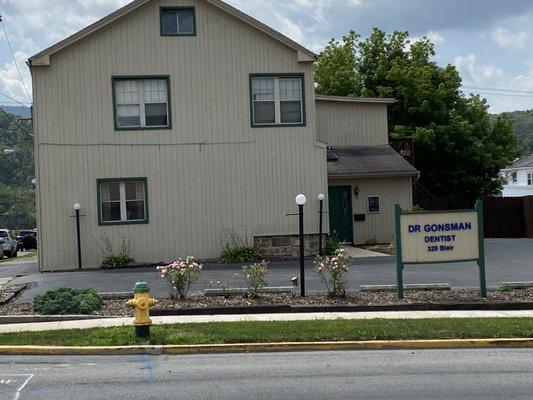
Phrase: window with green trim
pixel 178 21
pixel 122 201
pixel 141 103
pixel 277 100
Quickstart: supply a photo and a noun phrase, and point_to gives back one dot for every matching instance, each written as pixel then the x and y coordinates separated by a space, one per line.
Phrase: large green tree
pixel 459 151
pixel 17 194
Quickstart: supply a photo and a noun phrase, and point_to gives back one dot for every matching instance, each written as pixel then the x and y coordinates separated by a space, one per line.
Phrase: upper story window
pixel 178 21
pixel 122 201
pixel 141 103
pixel 514 178
pixel 277 100
pixel 530 178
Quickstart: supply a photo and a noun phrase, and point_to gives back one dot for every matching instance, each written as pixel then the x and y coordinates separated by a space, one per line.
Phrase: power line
pixel 498 89
pixel 14 59
pixel 14 121
pixel 498 94
pixel 15 100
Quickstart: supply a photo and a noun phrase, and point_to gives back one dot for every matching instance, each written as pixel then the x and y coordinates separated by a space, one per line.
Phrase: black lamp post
pixel 321 197
pixel 77 207
pixel 301 200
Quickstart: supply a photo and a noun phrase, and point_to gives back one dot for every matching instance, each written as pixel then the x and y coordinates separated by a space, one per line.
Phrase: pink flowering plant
pixel 332 272
pixel 181 275
pixel 255 275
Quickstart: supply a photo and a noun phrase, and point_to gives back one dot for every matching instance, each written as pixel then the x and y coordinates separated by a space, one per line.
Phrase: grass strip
pixel 24 256
pixel 292 331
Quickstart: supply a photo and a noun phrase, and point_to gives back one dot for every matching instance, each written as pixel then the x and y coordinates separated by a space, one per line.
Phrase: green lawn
pixel 29 255
pixel 298 331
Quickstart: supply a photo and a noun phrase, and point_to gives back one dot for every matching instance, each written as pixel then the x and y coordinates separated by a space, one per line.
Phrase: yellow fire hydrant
pixel 142 303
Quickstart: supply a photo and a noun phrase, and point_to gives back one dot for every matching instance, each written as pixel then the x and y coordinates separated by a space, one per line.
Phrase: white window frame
pixel 368 204
pixel 139 81
pixel 277 100
pixel 123 201
pixel 530 178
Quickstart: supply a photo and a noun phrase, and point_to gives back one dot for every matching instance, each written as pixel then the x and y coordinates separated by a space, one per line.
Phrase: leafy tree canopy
pixel 459 150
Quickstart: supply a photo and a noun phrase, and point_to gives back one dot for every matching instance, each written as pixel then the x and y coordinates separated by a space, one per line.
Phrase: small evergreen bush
pixel 67 301
pixel 332 245
pixel 239 254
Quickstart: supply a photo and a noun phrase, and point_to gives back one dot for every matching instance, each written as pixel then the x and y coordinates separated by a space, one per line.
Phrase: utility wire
pixel 15 100
pixel 14 121
pixel 14 59
pixel 497 94
pixel 498 89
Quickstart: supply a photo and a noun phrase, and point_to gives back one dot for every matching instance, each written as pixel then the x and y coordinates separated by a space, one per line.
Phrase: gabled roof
pixel 523 162
pixel 367 161
pixel 43 57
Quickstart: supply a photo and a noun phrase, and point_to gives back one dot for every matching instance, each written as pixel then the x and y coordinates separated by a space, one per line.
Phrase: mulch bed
pixel 119 308
pixel 381 248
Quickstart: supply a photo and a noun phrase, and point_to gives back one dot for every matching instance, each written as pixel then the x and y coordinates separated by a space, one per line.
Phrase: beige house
pixel 182 124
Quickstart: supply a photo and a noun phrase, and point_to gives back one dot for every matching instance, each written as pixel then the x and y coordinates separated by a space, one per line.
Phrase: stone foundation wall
pixel 284 247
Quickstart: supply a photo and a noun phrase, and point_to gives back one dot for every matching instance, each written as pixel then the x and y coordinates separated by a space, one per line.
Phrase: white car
pixel 8 243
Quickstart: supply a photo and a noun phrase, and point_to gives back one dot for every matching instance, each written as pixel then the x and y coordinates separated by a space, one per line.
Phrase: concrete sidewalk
pixel 183 319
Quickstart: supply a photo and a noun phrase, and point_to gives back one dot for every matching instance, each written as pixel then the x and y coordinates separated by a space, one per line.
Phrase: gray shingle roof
pixel 367 161
pixel 523 162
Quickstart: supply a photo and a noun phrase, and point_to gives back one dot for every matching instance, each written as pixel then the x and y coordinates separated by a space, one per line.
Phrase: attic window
pixel 178 21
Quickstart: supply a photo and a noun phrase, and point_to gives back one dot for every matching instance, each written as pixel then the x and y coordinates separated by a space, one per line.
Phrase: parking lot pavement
pixel 19 266
pixel 506 260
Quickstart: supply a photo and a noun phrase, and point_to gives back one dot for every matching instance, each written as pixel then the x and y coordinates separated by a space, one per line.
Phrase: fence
pixel 508 217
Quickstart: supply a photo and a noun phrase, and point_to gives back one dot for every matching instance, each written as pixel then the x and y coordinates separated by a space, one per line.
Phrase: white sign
pixel 441 236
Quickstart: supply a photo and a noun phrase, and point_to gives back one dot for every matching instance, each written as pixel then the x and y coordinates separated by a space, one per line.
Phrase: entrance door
pixel 340 213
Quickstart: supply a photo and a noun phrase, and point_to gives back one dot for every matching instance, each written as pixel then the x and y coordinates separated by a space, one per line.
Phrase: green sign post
pixel 432 237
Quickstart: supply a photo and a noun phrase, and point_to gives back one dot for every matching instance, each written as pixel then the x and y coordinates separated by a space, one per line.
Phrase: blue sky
pixel 488 40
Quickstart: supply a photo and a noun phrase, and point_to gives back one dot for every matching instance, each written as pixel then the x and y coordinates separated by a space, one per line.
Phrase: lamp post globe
pixel 321 197
pixel 300 200
pixel 76 206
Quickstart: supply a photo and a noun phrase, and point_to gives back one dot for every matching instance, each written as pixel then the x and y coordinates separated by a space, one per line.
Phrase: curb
pixel 271 347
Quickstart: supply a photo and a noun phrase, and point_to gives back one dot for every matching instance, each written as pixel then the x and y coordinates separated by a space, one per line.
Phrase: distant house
pixel 518 178
pixel 180 124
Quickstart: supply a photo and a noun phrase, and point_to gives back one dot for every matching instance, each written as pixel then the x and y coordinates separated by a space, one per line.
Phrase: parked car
pixel 8 243
pixel 27 239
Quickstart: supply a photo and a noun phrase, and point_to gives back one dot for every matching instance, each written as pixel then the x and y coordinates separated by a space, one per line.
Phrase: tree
pixel 459 151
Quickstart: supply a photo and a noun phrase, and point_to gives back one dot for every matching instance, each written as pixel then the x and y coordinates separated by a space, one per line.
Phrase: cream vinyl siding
pixel 352 124
pixel 210 174
pixel 391 191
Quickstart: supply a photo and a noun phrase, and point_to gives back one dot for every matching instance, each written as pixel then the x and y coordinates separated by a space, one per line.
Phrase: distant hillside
pixel 523 127
pixel 22 112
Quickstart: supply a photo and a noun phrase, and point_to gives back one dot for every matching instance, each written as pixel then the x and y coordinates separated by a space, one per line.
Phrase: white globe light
pixel 300 200
pixel 76 206
pixel 321 197
pixel 34 181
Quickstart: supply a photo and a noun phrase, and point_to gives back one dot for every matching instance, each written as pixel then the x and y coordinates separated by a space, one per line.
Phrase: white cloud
pixel 435 37
pixel 487 77
pixel 508 39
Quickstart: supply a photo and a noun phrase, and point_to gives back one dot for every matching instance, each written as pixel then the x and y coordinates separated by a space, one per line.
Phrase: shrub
pixel 115 260
pixel 67 301
pixel 181 275
pixel 332 272
pixel 332 245
pixel 505 288
pixel 255 275
pixel 118 261
pixel 371 242
pixel 239 254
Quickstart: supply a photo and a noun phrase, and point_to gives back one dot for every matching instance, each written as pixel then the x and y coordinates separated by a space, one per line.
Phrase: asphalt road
pixel 487 374
pixel 506 259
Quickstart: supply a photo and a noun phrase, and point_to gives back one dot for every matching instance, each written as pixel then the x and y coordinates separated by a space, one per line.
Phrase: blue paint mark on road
pixel 149 368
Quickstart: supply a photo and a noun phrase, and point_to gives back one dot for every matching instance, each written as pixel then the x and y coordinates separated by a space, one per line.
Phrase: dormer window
pixel 178 21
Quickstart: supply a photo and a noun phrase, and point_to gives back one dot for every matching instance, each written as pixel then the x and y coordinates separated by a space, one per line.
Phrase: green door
pixel 340 213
